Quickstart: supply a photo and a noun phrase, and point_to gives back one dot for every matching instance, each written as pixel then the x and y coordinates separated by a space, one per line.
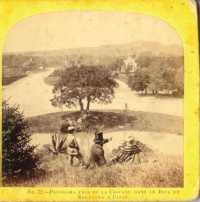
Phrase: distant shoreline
pixel 9 80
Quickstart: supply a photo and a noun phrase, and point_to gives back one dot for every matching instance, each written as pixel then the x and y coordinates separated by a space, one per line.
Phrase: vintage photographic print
pixel 93 99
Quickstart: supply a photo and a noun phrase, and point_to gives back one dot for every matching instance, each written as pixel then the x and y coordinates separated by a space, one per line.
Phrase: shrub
pixel 19 159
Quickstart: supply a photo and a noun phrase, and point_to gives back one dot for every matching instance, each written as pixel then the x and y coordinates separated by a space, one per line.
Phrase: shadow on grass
pixel 111 120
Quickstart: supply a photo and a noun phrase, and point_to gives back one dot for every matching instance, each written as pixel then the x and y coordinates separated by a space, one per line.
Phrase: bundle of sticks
pixel 128 151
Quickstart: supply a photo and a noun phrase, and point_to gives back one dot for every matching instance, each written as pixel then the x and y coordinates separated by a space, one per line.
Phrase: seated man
pixel 97 157
pixel 126 152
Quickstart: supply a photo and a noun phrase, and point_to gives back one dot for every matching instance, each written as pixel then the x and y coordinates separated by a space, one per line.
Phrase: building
pixel 129 65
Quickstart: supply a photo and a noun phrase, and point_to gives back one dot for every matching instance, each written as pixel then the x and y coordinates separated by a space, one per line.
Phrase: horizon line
pixel 82 47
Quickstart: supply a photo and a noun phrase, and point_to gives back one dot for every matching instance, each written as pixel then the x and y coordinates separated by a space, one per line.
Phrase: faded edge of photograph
pixel 89 99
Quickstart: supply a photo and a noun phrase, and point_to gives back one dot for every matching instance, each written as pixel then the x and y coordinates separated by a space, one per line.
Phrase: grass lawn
pixel 159 171
pixel 111 121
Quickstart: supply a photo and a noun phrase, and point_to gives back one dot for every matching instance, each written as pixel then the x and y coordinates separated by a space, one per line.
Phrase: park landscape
pixel 130 89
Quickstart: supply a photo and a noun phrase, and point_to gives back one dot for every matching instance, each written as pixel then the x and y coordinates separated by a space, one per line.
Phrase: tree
pixel 82 86
pixel 139 81
pixel 158 74
pixel 144 61
pixel 179 81
pixel 19 158
pixel 116 64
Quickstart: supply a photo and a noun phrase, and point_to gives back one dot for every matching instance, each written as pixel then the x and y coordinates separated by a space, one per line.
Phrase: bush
pixel 19 159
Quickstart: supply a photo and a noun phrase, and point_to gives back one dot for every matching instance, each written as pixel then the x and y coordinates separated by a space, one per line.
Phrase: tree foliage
pixel 140 80
pixel 82 86
pixel 19 159
pixel 158 74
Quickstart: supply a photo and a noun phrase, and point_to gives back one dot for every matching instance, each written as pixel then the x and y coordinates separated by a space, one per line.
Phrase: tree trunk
pixel 81 105
pixel 88 104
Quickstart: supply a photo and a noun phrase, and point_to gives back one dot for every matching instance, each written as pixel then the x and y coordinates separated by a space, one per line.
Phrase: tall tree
pixel 139 81
pixel 19 158
pixel 158 74
pixel 82 86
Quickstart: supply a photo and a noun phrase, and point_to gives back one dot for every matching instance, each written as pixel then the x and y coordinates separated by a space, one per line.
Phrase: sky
pixel 63 30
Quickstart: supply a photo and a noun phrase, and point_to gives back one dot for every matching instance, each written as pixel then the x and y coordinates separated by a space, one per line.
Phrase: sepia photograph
pixel 93 99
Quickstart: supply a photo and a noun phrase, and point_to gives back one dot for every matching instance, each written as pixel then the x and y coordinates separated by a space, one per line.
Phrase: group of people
pixel 97 157
pixel 126 152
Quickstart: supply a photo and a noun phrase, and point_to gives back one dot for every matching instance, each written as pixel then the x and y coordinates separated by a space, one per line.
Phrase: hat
pixel 97 132
pixel 98 137
pixel 130 145
pixel 70 128
pixel 131 140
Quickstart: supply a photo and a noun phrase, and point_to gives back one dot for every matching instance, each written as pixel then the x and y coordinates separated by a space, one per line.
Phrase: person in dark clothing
pixel 97 157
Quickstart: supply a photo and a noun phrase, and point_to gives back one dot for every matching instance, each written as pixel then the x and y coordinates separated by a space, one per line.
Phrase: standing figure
pixel 73 149
pixel 126 107
pixel 97 157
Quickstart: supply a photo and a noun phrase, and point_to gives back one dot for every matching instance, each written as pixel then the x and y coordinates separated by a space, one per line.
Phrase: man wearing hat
pixel 73 149
pixel 64 126
pixel 97 157
pixel 126 151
